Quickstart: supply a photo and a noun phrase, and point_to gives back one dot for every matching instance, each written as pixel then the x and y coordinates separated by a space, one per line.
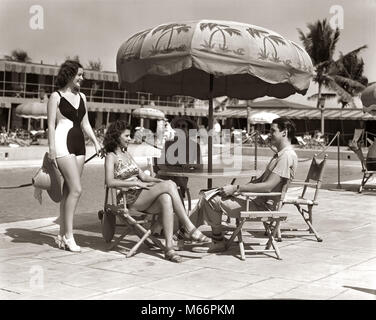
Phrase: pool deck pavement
pixel 341 267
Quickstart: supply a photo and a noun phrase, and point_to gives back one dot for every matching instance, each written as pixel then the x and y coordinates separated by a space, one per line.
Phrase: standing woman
pixel 67 119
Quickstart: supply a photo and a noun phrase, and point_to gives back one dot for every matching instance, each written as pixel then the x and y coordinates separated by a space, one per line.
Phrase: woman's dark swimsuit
pixel 69 138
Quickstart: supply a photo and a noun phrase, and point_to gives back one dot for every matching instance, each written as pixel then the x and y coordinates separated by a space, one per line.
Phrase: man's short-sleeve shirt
pixel 284 164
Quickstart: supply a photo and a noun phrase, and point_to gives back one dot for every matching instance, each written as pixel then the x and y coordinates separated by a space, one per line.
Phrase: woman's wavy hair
pixel 67 72
pixel 111 138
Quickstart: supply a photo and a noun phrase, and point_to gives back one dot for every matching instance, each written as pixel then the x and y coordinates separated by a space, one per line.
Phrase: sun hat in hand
pixel 48 178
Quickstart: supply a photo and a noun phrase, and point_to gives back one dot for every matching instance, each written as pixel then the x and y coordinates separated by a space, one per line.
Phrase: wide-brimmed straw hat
pixel 48 178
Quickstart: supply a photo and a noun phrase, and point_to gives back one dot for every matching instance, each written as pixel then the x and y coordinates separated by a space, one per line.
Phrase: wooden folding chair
pixel 305 203
pixel 270 220
pixel 368 165
pixel 140 223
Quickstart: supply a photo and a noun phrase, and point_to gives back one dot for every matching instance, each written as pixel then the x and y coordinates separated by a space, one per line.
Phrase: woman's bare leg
pixel 71 171
pixel 163 206
pixel 147 197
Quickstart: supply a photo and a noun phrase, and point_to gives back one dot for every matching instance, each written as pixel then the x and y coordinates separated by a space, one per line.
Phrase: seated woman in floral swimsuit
pixel 143 192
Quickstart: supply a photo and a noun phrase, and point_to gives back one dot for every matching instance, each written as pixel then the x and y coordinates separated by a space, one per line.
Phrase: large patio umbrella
pixel 33 110
pixel 209 58
pixel 368 98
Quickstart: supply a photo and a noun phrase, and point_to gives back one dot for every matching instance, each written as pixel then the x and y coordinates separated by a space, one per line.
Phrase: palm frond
pixel 350 82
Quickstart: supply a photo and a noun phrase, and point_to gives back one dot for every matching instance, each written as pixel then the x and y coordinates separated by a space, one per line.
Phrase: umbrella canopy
pixel 247 61
pixel 368 98
pixel 148 113
pixel 34 110
pixel 209 58
pixel 263 117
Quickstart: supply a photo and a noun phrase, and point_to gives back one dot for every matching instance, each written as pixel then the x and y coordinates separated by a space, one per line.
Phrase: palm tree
pixel 95 65
pixel 320 43
pixel 350 77
pixel 18 55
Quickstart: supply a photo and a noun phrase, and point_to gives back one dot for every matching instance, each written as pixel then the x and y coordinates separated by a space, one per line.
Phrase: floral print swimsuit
pixel 127 169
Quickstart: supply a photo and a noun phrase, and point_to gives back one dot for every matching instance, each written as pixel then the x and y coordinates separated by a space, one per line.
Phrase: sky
pixel 95 29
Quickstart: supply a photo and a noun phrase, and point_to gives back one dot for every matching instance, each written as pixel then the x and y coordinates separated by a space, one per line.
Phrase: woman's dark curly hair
pixel 111 138
pixel 67 72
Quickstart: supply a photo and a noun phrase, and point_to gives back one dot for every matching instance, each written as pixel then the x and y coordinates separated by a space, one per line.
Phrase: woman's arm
pixel 142 175
pixel 110 179
pixel 85 124
pixel 146 178
pixel 51 122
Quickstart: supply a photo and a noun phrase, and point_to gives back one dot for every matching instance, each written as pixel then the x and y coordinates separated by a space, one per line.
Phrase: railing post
pixel 339 161
pixel 256 139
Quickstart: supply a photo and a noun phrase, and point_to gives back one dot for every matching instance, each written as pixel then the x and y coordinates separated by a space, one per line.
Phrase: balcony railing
pixel 37 90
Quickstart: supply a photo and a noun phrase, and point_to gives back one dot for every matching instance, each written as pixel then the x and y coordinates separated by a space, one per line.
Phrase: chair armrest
pixel 264 215
pixel 302 183
pixel 255 194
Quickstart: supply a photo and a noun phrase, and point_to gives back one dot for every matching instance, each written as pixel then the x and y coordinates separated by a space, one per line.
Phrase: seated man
pixel 282 166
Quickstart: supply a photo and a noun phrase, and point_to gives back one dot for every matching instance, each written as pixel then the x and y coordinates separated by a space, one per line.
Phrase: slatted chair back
pixel 315 175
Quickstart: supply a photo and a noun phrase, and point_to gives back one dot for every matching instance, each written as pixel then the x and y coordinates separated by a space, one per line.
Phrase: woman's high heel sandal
pixel 172 256
pixel 59 242
pixel 71 244
pixel 197 236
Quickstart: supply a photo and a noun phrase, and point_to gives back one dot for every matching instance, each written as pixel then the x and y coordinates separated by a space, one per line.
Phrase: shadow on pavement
pixel 368 189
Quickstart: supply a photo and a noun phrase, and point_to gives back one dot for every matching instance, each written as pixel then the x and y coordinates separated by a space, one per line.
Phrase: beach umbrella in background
pixel 263 117
pixel 33 110
pixel 210 58
pixel 368 98
pixel 148 113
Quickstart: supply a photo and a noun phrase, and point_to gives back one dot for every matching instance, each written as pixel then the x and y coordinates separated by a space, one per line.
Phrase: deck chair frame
pixel 302 203
pixel 132 220
pixel 270 219
pixel 355 146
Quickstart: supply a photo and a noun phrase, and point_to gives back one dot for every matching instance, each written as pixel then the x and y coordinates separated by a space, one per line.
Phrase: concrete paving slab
pixel 142 293
pixel 203 283
pixel 264 289
pixel 351 277
pixel 311 292
pixel 355 293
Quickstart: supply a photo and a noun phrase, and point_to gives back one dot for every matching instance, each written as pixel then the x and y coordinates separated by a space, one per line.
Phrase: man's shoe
pixel 212 247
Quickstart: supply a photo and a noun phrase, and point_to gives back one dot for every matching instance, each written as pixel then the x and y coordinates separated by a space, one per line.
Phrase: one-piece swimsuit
pixel 69 138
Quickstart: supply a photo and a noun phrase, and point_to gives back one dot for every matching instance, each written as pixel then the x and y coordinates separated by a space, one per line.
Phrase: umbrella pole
pixel 210 140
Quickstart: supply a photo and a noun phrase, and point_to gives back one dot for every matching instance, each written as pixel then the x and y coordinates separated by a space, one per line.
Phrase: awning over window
pixel 309 113
pixel 21 67
pixel 110 107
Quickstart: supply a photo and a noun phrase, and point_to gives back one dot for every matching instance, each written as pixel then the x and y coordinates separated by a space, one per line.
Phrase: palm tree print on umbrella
pixel 129 52
pixel 223 29
pixel 272 39
pixel 300 53
pixel 169 29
